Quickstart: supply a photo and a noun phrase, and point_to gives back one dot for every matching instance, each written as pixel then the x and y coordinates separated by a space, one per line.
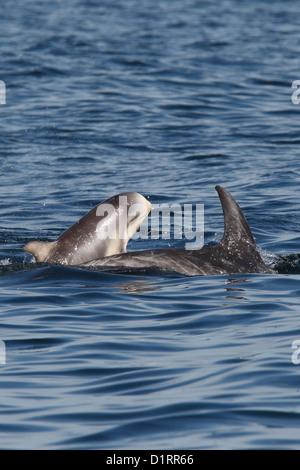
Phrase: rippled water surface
pixel 167 99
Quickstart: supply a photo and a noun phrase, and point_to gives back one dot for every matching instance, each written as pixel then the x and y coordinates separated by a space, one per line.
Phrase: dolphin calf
pixel 236 253
pixel 104 231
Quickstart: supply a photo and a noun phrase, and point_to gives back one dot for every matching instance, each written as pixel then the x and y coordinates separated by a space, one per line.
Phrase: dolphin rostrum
pixel 236 253
pixel 103 231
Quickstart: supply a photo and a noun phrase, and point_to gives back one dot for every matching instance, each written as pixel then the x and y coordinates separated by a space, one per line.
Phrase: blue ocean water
pixel 167 99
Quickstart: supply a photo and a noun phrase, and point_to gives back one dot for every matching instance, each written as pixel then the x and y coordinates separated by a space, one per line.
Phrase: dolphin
pixel 104 231
pixel 236 253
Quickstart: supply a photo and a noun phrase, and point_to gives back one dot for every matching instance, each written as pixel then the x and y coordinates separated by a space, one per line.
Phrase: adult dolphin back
pixel 236 253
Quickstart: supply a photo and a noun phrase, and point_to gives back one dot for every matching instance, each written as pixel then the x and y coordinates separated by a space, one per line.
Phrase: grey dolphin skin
pixel 84 245
pixel 236 253
pixel 87 239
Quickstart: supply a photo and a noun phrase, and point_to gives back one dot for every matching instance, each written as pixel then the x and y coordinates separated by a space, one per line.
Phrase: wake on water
pixel 281 263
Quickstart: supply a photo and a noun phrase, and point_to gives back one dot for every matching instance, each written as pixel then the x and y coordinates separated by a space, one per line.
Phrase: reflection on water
pixel 237 280
pixel 235 296
pixel 231 281
pixel 136 286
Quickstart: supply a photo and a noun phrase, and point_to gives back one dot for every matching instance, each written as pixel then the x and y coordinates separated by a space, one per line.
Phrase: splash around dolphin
pixel 80 245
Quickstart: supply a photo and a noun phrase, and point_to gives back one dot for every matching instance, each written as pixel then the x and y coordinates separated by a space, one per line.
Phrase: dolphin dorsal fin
pixel 236 228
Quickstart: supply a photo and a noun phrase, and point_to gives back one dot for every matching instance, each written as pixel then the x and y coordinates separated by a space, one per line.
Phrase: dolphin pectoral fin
pixel 40 250
pixel 236 227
